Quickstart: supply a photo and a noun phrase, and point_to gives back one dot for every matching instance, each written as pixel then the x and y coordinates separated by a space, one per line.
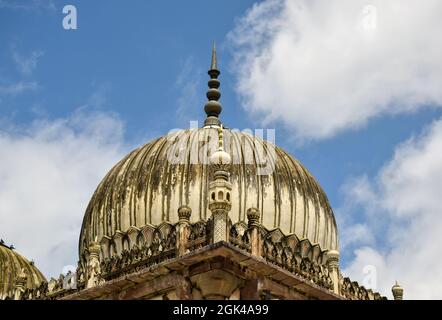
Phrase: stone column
pixel 398 291
pixel 333 268
pixel 20 284
pixel 183 230
pixel 183 288
pixel 253 216
pixel 250 290
pixel 93 266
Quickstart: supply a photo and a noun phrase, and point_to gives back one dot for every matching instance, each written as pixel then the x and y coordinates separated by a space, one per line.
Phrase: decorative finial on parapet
pixel 333 258
pixel 183 229
pixel 184 213
pixel 20 284
pixel 93 270
pixel 333 268
pixel 398 291
pixel 213 108
pixel 253 216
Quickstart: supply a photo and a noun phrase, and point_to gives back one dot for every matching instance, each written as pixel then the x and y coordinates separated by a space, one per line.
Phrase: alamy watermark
pixel 370 279
pixel 70 18
pixel 246 147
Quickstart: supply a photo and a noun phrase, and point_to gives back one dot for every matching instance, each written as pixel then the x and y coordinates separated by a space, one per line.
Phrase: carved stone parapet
pixel 353 291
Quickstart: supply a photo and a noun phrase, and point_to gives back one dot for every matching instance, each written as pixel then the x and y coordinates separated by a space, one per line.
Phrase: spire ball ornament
pixel 213 107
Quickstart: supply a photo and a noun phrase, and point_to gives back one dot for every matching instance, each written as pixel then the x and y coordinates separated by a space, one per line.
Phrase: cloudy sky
pixel 353 88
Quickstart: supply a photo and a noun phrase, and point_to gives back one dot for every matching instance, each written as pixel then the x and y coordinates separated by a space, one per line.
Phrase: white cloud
pixel 28 5
pixel 187 82
pixel 26 65
pixel 48 172
pixel 13 89
pixel 403 212
pixel 320 67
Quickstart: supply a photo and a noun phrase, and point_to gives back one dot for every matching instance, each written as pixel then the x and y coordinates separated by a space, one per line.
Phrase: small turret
pixel 220 189
pixel 398 291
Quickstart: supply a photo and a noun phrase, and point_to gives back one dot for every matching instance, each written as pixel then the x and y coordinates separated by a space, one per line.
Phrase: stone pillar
pixel 253 216
pixel 93 266
pixel 250 290
pixel 183 232
pixel 20 284
pixel 183 290
pixel 220 190
pixel 398 292
pixel 333 268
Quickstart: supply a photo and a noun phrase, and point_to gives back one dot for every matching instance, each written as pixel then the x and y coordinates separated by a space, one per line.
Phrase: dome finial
pixel 220 158
pixel 220 138
pixel 213 107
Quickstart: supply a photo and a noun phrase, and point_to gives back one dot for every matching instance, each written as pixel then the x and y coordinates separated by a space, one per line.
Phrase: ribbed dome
pixel 152 182
pixel 11 266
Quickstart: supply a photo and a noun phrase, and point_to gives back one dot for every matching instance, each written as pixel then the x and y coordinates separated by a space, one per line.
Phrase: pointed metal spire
pixel 213 108
pixel 213 65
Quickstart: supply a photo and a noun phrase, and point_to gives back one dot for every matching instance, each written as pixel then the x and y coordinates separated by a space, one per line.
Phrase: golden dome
pixel 152 182
pixel 13 268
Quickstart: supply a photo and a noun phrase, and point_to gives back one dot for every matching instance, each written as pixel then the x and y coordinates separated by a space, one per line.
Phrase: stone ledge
pixel 220 249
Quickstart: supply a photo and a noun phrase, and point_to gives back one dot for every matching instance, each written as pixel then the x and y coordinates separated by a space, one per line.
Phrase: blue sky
pixel 132 53
pixel 143 65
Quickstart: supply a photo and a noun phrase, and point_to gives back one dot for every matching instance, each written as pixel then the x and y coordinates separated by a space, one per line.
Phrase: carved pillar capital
pixel 333 259
pixel 94 250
